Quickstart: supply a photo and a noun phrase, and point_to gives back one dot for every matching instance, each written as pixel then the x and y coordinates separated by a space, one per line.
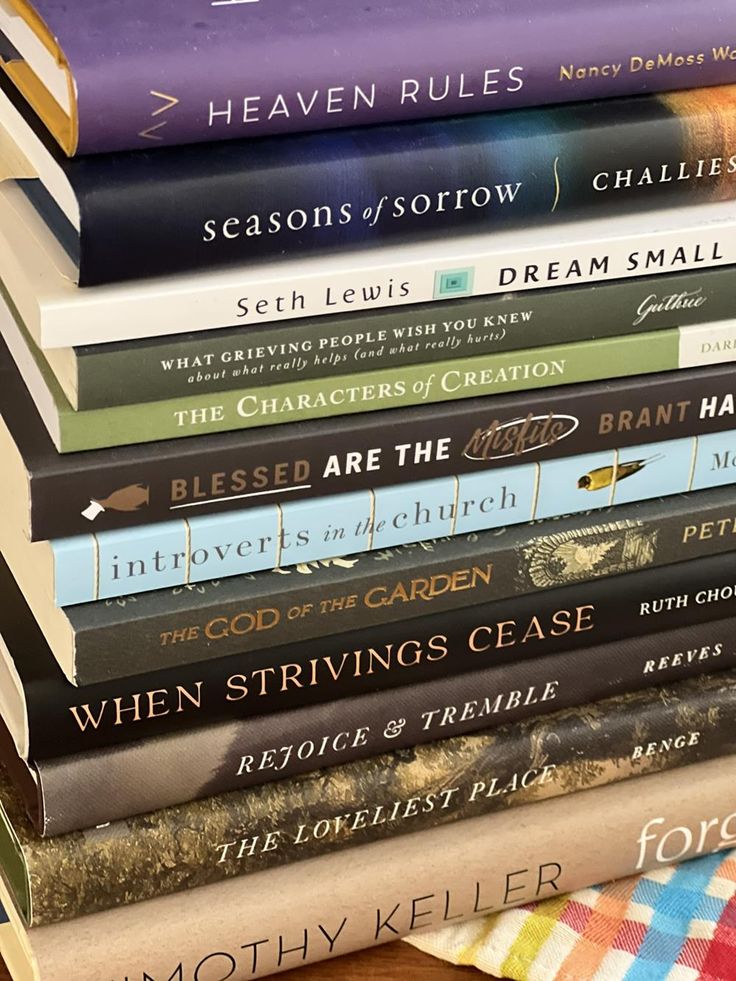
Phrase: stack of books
pixel 368 452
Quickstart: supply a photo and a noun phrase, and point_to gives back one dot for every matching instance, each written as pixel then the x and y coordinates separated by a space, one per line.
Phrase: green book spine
pixel 390 388
pixel 249 831
pixel 178 366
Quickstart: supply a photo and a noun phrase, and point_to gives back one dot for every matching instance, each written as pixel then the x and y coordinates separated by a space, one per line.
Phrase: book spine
pixel 174 367
pixel 303 461
pixel 87 568
pixel 236 756
pixel 377 893
pixel 592 251
pixel 246 832
pixel 444 381
pixel 381 67
pixel 169 628
pixel 202 207
pixel 63 719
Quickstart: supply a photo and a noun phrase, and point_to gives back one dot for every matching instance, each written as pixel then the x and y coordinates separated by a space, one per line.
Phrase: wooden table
pixel 393 962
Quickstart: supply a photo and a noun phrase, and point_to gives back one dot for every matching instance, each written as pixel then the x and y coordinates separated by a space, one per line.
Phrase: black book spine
pixel 214 361
pixel 172 627
pixel 235 756
pixel 190 477
pixel 64 719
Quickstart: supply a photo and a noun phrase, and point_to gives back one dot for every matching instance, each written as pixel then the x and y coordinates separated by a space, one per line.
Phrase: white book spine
pixel 313 294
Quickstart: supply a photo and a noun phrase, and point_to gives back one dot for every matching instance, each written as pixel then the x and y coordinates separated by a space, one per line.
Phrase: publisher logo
pixel 502 440
pixel 453 282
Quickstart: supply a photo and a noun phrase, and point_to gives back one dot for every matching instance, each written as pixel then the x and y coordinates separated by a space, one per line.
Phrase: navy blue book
pixel 130 215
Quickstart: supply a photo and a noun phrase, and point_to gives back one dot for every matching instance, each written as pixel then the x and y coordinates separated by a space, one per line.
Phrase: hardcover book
pixel 194 208
pixel 48 717
pixel 55 496
pixel 187 551
pixel 147 370
pixel 245 832
pixel 121 76
pixel 378 892
pixel 434 383
pixel 91 788
pixel 40 275
pixel 169 628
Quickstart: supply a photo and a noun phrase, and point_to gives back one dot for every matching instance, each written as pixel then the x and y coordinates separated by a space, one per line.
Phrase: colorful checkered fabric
pixel 676 924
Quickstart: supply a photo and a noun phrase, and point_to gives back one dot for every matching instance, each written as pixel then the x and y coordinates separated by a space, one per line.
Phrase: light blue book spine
pixel 181 553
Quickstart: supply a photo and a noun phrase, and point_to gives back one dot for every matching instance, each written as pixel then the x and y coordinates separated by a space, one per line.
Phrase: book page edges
pixel 12 701
pixel 31 563
pixel 14 941
pixel 14 872
pixel 23 156
pixel 36 374
pixel 63 126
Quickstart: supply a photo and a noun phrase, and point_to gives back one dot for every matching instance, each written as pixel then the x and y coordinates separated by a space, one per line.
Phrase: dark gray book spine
pixel 215 361
pixel 174 627
pixel 148 774
pixel 63 719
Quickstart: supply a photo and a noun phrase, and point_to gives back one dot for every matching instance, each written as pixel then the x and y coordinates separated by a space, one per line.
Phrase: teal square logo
pixel 453 282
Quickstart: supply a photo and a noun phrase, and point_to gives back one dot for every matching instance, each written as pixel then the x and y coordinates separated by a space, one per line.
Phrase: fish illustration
pixel 605 476
pixel 130 498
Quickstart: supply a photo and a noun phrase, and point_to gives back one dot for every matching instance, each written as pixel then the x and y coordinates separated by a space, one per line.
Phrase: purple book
pixel 126 74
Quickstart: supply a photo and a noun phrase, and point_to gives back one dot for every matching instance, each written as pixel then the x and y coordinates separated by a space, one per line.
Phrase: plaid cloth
pixel 674 924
